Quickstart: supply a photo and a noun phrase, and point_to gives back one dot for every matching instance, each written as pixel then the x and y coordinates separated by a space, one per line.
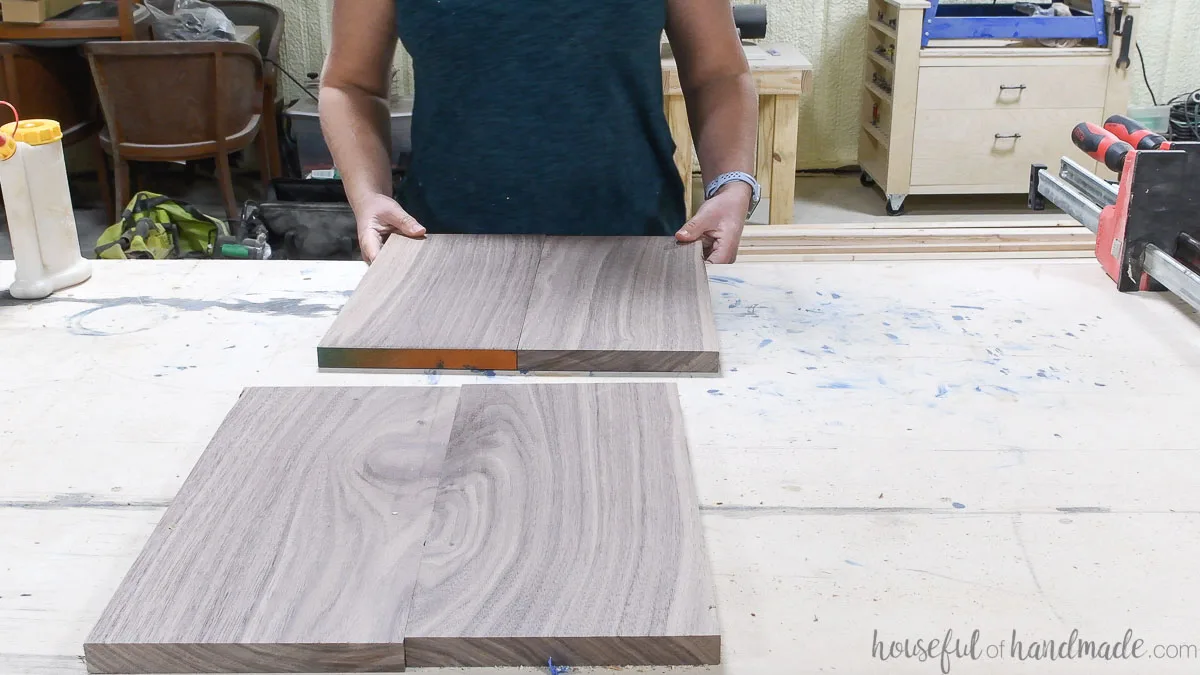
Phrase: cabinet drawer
pixel 992 147
pixel 1016 87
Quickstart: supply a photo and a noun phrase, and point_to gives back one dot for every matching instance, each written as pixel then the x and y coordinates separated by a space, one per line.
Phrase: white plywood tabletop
pixel 892 451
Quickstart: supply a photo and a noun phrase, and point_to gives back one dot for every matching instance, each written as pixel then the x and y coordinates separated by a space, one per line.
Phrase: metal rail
pixel 1173 274
pixel 1099 190
pixel 1070 199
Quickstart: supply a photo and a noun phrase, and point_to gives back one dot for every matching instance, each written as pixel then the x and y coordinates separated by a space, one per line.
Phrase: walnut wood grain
pixel 566 526
pixel 445 301
pixel 293 545
pixel 619 304
pixel 532 303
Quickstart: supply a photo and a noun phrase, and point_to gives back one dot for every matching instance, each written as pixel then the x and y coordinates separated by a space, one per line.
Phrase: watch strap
pixel 729 177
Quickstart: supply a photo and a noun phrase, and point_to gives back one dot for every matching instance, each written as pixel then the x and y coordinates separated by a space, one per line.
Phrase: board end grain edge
pixel 465 652
pixel 416 359
pixel 603 360
pixel 147 658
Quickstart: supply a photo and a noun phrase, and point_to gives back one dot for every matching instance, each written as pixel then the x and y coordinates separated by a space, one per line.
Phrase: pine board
pixel 501 302
pixel 445 301
pixel 621 304
pixel 294 543
pixel 566 526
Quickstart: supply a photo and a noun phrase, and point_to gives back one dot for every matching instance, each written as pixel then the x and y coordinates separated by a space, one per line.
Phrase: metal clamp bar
pixel 1099 190
pixel 1069 199
pixel 1173 274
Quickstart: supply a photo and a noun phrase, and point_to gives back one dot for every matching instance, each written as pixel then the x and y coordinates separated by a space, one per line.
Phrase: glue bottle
pixel 37 202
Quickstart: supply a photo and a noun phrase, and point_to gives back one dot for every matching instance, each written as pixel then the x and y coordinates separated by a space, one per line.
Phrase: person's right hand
pixel 379 217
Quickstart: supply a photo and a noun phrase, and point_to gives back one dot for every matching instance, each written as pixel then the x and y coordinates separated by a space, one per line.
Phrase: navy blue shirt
pixel 539 116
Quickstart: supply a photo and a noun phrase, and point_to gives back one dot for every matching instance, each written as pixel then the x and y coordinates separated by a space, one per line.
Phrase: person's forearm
pixel 723 114
pixel 355 125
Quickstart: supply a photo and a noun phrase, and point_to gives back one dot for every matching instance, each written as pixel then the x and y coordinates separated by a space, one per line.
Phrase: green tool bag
pixel 155 227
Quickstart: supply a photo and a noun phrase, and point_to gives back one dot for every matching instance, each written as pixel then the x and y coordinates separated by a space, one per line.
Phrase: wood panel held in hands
pixel 516 302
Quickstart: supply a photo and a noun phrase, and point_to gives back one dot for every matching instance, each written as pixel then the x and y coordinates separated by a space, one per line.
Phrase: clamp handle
pixel 1101 145
pixel 1135 133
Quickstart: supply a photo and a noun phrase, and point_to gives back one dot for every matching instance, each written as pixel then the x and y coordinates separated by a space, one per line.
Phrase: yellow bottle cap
pixel 34 132
pixel 8 147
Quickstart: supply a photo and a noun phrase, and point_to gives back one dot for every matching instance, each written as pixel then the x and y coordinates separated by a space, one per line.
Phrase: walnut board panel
pixel 624 304
pixel 566 526
pixel 530 303
pixel 445 301
pixel 293 545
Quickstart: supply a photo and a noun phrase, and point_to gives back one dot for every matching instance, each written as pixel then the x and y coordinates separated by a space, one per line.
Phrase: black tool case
pixel 305 219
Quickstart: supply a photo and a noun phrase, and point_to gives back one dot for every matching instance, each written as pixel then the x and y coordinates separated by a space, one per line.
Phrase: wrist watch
pixel 725 178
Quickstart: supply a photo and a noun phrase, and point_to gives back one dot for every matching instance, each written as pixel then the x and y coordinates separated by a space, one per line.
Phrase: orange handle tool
pixel 1135 134
pixel 1101 145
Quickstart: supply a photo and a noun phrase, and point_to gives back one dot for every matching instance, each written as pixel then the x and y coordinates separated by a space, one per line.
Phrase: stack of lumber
pixel 901 240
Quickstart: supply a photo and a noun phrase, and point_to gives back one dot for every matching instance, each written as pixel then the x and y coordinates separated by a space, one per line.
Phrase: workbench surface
pixel 906 448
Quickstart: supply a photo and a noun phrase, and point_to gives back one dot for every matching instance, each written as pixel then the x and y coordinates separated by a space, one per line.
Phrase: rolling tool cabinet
pixel 970 115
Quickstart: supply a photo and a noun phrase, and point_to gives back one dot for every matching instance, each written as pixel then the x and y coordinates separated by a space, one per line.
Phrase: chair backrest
pixel 176 93
pixel 48 83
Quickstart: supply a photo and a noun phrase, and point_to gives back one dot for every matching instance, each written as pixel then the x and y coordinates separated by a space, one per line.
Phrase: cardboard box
pixel 35 11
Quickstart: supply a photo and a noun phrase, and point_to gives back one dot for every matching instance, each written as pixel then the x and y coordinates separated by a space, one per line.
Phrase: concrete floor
pixel 820 199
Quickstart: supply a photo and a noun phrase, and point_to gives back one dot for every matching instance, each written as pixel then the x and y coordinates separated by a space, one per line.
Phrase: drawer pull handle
pixel 1012 136
pixel 1005 87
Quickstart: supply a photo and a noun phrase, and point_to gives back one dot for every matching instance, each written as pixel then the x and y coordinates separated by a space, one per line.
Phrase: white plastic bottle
pixel 37 202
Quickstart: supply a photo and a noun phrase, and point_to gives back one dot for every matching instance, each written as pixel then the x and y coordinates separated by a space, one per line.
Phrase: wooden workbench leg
pixel 766 144
pixel 783 159
pixel 682 134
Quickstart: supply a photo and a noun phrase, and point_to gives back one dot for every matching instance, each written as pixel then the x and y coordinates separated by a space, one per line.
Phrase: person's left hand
pixel 718 225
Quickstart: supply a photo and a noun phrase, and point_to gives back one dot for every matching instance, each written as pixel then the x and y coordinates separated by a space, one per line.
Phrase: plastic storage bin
pixel 314 155
pixel 1155 117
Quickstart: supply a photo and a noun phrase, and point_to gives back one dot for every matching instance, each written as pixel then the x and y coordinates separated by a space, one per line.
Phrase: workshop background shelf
pixel 969 116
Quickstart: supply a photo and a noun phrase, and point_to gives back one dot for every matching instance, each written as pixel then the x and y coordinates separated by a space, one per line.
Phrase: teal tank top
pixel 539 116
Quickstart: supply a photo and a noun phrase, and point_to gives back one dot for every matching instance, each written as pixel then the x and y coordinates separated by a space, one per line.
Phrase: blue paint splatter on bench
pixel 957 317
pixel 715 392
pixel 764 343
pixel 835 296
pixel 851 562
pixel 730 281
pixel 958 505
pixel 942 391
pixel 892 336
pixel 965 307
pixel 835 385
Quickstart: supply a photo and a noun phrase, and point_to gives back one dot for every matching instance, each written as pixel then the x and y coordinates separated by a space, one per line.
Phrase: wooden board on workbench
pixel 294 544
pixel 621 304
pixel 917 241
pixel 566 526
pixel 445 301
pixel 500 302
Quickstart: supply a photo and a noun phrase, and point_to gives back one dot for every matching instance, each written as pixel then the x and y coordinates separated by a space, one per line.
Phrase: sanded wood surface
pixel 531 303
pixel 566 526
pixel 445 301
pixel 624 304
pixel 294 543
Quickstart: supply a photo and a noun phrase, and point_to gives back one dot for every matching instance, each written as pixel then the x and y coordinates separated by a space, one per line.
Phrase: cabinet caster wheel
pixel 895 205
pixel 865 179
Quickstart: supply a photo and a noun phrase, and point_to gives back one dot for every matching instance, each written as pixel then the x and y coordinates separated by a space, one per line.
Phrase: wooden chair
pixel 174 101
pixel 269 20
pixel 53 83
